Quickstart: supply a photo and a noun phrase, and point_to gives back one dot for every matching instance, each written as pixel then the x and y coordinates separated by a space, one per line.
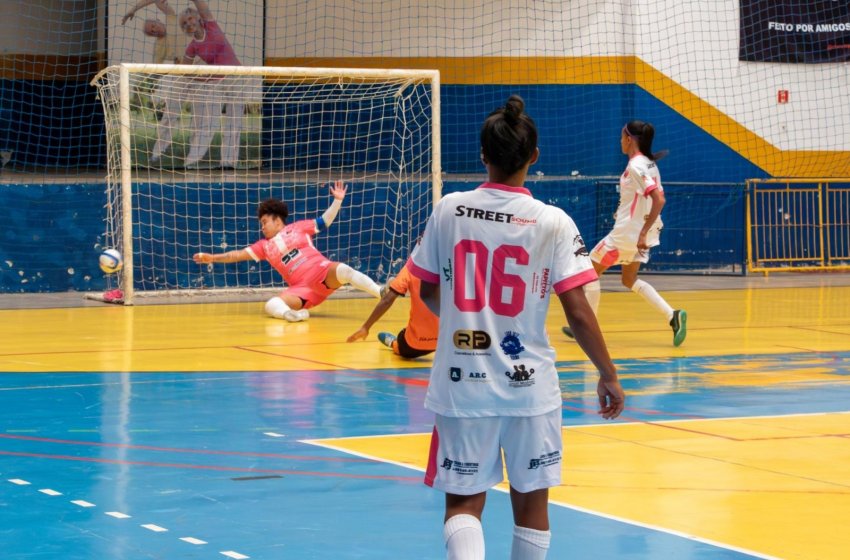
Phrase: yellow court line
pixel 774 485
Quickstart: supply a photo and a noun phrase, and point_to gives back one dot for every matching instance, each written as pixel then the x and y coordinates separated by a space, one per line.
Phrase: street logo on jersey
pixel 471 340
pixel 521 377
pixel 487 215
pixel 579 246
pixel 511 345
pixel 545 460
pixel 492 216
pixel 459 467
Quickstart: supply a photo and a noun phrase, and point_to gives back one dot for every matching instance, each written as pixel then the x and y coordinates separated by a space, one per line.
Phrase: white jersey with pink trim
pixel 497 254
pixel 291 251
pixel 640 178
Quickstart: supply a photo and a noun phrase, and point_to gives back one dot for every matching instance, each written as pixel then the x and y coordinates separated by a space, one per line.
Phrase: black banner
pixel 803 31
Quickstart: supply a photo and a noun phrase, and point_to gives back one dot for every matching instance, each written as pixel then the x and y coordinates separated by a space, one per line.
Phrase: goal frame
pixel 127 278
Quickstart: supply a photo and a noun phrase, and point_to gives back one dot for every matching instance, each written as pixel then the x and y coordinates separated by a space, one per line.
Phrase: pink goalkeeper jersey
pixel 497 254
pixel 291 251
pixel 214 49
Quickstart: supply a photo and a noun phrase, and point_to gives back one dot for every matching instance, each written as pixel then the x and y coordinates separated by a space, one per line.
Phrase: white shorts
pixel 466 453
pixel 608 254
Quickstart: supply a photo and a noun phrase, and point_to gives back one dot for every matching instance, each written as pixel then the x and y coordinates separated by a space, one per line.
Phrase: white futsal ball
pixel 111 261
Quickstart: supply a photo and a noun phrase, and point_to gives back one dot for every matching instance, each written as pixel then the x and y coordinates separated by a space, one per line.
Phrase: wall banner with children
pixel 796 31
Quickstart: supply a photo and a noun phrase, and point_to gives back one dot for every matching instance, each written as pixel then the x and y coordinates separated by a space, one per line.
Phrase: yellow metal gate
pixel 798 224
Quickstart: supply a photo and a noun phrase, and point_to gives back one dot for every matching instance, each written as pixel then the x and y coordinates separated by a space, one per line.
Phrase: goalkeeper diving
pixel 310 277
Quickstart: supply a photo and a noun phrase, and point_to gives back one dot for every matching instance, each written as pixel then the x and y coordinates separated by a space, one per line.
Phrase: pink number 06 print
pixel 493 295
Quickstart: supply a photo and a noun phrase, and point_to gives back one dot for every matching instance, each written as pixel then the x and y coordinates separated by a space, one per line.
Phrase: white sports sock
pixel 593 293
pixel 278 309
pixel 464 538
pixel 347 275
pixel 530 544
pixel 652 297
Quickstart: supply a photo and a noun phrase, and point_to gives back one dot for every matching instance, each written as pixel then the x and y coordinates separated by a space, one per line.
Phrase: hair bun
pixel 514 108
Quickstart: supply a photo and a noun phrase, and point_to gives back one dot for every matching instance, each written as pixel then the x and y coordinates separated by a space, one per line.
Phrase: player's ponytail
pixel 644 133
pixel 509 137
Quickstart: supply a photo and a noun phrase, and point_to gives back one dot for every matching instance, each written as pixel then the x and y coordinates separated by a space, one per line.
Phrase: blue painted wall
pixel 52 239
pixel 579 129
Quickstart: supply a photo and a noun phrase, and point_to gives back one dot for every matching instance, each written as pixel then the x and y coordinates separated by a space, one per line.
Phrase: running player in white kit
pixel 488 261
pixel 637 227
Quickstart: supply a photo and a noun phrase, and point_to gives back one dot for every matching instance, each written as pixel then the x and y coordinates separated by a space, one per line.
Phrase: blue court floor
pixel 212 465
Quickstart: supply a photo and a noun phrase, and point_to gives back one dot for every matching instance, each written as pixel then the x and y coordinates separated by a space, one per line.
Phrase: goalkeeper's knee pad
pixel 276 308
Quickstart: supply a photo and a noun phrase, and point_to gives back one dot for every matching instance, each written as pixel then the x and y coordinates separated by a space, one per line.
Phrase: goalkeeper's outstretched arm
pixel 228 257
pixel 324 221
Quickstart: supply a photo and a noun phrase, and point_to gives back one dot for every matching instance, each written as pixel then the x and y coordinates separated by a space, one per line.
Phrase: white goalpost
pixel 193 149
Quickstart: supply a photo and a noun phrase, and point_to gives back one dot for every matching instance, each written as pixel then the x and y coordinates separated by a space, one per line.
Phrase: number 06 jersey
pixel 497 253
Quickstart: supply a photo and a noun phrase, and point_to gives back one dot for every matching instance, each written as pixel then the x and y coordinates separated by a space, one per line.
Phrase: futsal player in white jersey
pixel 488 261
pixel 637 227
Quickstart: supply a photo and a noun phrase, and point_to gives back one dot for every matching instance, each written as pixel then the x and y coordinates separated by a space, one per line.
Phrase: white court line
pixel 120 515
pixel 82 503
pixel 721 545
pixel 687 536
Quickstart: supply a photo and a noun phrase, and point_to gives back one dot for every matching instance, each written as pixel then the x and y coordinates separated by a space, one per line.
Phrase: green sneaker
pixel 679 324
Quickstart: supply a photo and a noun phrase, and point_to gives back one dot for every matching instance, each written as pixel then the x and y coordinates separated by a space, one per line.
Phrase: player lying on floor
pixel 310 277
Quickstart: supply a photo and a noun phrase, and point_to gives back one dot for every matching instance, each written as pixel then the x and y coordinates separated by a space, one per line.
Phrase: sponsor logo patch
pixel 545 460
pixel 521 377
pixel 511 345
pixel 471 340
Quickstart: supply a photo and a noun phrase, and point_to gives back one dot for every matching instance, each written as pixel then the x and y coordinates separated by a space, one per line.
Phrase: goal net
pixel 191 153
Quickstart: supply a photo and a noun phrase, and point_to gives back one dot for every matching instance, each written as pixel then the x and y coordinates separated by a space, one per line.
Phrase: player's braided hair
pixel 273 207
pixel 509 137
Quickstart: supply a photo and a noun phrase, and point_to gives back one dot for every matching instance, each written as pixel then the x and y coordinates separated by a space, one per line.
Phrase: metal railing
pixel 798 224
